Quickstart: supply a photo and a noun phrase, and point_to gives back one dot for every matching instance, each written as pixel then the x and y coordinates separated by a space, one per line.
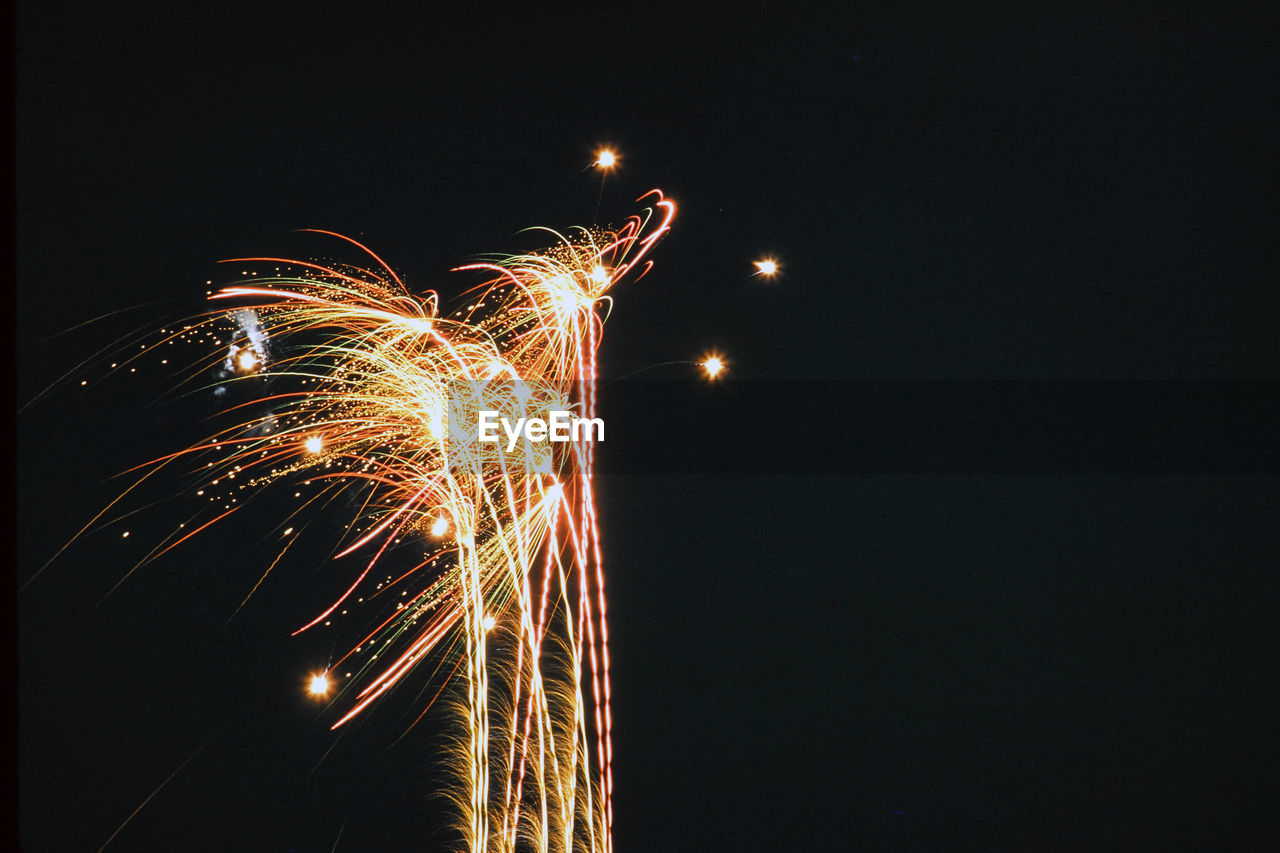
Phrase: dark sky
pixel 975 549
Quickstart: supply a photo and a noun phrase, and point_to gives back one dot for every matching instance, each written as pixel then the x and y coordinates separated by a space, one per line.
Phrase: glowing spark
pixel 489 622
pixel 767 268
pixel 314 444
pixel 246 360
pixel 319 685
pixel 440 526
pixel 714 366
pixel 605 159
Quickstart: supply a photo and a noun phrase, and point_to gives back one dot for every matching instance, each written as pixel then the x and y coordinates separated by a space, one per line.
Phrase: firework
pixel 380 403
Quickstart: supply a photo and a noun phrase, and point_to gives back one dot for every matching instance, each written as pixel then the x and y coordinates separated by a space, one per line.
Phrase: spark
pixel 440 526
pixel 605 159
pixel 313 444
pixel 319 686
pixel 767 267
pixel 714 366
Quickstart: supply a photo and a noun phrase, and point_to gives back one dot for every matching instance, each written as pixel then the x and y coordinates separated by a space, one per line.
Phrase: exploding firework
pixel 359 388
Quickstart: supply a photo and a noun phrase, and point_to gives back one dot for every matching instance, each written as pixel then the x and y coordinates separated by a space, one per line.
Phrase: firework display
pixel 376 396
pixel 919 496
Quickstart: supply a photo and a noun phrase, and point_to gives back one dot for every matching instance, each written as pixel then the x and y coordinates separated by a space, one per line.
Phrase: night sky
pixel 975 547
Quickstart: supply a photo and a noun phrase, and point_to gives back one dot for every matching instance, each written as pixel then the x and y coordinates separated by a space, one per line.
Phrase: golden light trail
pixel 512 602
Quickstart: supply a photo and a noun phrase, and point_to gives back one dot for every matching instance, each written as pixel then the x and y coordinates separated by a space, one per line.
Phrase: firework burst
pixel 363 389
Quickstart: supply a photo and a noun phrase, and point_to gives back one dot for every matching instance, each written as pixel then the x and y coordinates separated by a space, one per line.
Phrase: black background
pixel 875 591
